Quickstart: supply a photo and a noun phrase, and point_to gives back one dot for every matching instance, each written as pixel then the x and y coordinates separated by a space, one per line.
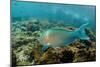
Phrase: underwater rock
pixel 23 28
pixel 67 55
pixel 90 34
pixel 91 41
pixel 57 55
pixel 25 56
pixel 84 55
pixel 13 59
pixel 86 43
pixel 92 54
pixel 32 27
pixel 36 21
pixel 76 52
pixel 49 57
pixel 28 49
pixel 21 41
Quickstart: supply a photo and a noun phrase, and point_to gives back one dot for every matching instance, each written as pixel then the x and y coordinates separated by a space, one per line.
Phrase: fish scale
pixel 62 37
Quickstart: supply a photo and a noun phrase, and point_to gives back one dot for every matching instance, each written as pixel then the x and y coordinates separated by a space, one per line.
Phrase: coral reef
pixel 26 48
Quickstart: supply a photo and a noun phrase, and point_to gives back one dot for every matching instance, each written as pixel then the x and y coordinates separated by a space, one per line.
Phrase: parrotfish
pixel 62 37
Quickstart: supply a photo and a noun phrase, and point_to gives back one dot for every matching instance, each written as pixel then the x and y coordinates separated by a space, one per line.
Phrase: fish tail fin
pixel 83 26
pixel 82 33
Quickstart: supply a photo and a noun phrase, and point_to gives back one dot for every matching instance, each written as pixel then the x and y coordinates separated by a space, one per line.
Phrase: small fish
pixel 62 37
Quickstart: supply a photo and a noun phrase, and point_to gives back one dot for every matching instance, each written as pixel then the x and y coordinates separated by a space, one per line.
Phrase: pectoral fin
pixel 45 48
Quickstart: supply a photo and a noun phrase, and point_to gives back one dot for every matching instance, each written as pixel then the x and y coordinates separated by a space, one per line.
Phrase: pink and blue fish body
pixel 61 37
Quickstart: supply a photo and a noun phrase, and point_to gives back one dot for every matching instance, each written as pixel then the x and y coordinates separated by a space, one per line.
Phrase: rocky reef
pixel 26 48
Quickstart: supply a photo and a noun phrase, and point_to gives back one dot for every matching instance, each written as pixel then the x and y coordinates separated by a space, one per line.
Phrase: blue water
pixel 70 14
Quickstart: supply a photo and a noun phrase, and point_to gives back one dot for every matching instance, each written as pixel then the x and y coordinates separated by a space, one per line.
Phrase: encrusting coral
pixel 26 48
